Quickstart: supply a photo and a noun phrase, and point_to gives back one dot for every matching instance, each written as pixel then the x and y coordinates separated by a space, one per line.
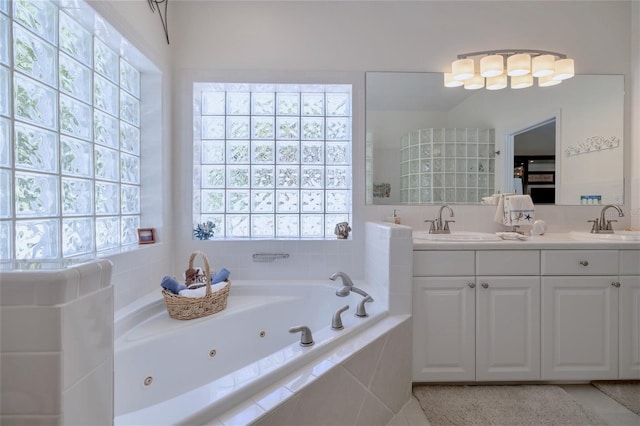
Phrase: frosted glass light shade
pixel 491 66
pixel 496 83
pixel 474 83
pixel 564 69
pixel 462 69
pixel 547 81
pixel 450 82
pixel 543 65
pixel 518 64
pixel 521 81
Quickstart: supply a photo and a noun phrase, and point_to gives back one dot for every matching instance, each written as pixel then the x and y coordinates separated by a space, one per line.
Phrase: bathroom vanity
pixel 552 308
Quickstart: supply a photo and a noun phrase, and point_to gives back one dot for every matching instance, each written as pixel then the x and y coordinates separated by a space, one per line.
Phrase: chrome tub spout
pixel 336 321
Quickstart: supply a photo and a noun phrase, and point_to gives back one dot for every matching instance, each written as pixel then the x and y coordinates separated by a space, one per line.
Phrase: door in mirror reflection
pixel 535 161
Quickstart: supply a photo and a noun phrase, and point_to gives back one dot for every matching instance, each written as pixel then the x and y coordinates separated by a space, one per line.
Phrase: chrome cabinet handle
pixel 616 284
pixel 472 285
pixel 485 285
pixel 584 263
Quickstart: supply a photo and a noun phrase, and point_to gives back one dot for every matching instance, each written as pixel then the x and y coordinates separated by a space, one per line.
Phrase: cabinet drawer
pixel 504 262
pixel 443 263
pixel 579 262
pixel 629 262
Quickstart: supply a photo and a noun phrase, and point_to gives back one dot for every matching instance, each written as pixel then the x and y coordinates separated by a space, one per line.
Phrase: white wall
pixel 265 37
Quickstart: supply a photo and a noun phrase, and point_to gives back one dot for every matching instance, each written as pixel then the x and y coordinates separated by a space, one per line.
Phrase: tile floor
pixel 609 410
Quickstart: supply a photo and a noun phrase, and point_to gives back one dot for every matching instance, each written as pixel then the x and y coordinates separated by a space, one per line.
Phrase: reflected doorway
pixel 534 161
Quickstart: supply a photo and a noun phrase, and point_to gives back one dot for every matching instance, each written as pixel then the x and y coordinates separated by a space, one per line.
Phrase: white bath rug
pixel 534 405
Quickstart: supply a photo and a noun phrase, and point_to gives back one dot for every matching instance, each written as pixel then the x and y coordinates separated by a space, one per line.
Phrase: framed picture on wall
pixel 146 235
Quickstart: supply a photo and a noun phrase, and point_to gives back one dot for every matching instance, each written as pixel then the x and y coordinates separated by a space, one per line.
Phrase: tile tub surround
pixel 388 264
pixel 56 343
pixel 363 382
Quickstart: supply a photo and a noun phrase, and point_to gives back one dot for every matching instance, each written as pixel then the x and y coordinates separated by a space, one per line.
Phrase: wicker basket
pixel 186 308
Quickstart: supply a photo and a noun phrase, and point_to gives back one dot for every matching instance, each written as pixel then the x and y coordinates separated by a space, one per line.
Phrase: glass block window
pixel 272 161
pixel 69 135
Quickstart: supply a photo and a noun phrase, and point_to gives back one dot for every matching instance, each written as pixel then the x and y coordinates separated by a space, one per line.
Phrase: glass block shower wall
pixel 69 134
pixel 447 165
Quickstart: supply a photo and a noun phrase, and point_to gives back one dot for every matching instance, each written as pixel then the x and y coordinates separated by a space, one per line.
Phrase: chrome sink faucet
pixel 438 226
pixel 602 225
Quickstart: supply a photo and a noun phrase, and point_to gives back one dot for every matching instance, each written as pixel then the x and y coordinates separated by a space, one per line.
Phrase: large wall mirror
pixel 428 144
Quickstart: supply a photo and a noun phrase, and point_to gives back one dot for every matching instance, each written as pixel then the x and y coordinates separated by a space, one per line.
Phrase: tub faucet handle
pixel 306 338
pixel 360 311
pixel 336 322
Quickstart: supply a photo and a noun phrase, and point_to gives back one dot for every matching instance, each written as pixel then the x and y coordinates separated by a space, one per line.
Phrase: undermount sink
pixel 456 236
pixel 616 236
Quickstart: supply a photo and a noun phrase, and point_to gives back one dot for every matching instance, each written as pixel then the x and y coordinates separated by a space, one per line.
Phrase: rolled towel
pixel 222 275
pixel 201 291
pixel 172 285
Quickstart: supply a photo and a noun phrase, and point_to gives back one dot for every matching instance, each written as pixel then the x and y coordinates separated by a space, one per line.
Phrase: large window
pixel 69 134
pixel 272 160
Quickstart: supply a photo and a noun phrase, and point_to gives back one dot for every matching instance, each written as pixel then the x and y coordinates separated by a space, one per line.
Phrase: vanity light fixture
pixel 519 66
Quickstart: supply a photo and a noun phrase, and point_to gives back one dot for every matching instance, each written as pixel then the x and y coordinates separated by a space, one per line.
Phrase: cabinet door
pixel 579 328
pixel 629 327
pixel 443 329
pixel 508 328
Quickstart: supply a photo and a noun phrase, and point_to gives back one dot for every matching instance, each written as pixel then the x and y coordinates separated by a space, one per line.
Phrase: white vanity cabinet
pixel 583 312
pixel 482 326
pixel 444 316
pixel 579 314
pixel 629 315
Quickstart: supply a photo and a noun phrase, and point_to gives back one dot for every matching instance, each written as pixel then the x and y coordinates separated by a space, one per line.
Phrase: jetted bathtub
pixel 191 372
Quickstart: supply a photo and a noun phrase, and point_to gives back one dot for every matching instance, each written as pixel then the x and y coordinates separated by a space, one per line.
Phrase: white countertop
pixel 552 241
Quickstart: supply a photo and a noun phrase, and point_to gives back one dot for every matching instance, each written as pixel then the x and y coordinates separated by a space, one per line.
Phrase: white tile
pixel 90 278
pixel 299 379
pixel 400 303
pixel 363 363
pixel 90 401
pixel 393 373
pixel 591 397
pixel 398 420
pixel 30 383
pixel 373 412
pixel 87 334
pixel 243 415
pixel 54 288
pixel 17 289
pixel 106 267
pixel 30 329
pixel 280 416
pixel 332 399
pixel 414 414
pixel 321 366
pixel 272 397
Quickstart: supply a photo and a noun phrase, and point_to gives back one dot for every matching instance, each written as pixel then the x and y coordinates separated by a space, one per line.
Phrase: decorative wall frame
pixel 146 235
pixel 592 144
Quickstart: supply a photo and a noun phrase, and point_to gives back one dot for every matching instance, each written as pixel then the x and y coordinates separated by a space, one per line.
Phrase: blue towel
pixel 172 285
pixel 222 275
